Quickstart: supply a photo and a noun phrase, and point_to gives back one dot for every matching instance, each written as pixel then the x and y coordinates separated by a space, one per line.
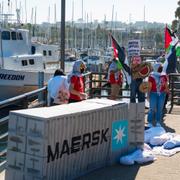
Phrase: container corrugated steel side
pixel 59 129
pixel 90 158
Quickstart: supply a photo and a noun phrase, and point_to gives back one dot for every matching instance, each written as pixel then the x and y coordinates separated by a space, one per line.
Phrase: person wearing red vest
pixel 158 88
pixel 115 78
pixel 76 81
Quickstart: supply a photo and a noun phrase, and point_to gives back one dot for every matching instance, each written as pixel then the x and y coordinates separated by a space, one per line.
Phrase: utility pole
pixel 63 6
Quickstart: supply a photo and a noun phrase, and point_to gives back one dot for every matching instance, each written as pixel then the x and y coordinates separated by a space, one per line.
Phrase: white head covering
pixel 76 71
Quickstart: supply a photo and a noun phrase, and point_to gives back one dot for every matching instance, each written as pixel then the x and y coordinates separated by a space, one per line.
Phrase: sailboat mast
pixel 82 42
pixel 112 20
pixel 144 29
pixel 49 28
pixel 91 46
pixel 34 26
pixel 25 12
pixel 55 23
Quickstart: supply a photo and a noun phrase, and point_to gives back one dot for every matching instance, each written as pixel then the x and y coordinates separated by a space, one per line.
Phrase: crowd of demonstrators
pixel 158 89
pixel 67 90
pixel 76 81
pixel 115 78
pixel 58 89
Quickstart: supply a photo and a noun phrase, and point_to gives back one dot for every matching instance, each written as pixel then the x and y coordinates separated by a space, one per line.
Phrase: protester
pixel 158 88
pixel 136 80
pixel 58 89
pixel 115 78
pixel 76 81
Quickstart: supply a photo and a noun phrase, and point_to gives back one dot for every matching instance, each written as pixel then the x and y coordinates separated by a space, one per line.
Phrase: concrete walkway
pixel 164 168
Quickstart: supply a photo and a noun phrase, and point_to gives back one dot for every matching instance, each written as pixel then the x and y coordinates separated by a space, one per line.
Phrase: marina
pixel 86 97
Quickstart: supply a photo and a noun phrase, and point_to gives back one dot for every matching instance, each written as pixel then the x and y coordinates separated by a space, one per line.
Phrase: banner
pixel 134 47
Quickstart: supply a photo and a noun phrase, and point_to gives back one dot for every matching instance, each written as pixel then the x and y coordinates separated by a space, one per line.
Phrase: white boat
pixel 20 62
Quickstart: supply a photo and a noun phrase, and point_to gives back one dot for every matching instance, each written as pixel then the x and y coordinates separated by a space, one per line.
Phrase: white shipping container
pixel 66 141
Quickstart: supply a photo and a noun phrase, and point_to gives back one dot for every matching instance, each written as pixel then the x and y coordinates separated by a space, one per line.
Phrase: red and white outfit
pixel 161 85
pixel 157 95
pixel 118 80
pixel 115 78
pixel 78 82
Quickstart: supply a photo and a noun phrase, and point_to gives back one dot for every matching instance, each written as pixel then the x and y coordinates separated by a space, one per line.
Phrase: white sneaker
pixel 158 125
pixel 149 125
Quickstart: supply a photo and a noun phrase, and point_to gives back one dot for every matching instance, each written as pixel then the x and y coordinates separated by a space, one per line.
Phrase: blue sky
pixel 124 10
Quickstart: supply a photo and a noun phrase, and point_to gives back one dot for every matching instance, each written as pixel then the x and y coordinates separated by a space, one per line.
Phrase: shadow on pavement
pixel 115 172
pixel 167 128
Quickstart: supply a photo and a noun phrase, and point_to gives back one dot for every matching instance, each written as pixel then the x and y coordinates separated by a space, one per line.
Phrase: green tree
pixel 176 22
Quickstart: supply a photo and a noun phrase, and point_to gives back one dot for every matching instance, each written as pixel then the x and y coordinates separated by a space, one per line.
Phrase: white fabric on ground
pixel 166 144
pixel 152 132
pixel 172 143
pixel 159 150
pixel 139 156
pixel 160 140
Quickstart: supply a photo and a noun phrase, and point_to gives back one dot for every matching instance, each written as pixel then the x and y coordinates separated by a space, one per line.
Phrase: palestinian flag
pixel 169 36
pixel 116 53
pixel 169 65
pixel 172 49
pixel 120 55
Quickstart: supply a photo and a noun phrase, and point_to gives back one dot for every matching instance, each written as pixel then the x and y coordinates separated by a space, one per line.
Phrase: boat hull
pixel 13 83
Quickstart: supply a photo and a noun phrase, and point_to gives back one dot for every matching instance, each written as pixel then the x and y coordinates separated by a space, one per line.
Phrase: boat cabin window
pixel 19 36
pixel 44 53
pixel 5 35
pixel 24 63
pixel 31 61
pixel 33 49
pixel 13 35
pixel 50 53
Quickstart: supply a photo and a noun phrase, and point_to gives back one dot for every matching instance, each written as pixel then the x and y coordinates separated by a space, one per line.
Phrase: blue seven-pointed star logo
pixel 119 134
